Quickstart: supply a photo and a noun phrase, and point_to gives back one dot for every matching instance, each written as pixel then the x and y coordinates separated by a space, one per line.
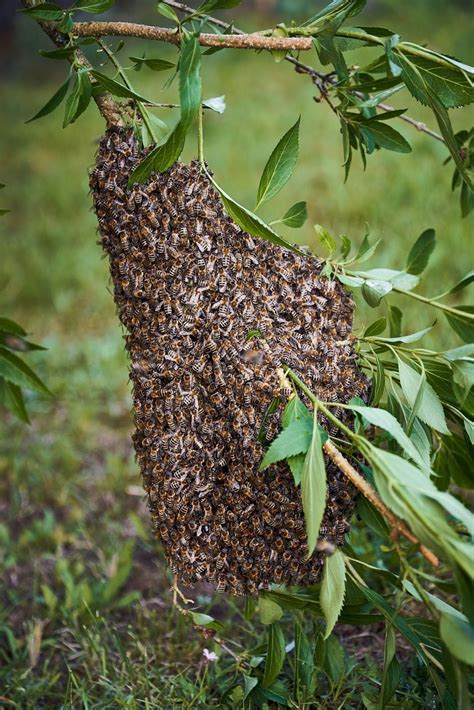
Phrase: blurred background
pixel 72 513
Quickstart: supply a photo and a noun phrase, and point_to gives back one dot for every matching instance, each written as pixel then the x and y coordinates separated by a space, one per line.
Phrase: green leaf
pixel 13 369
pixel 115 88
pixel 465 281
pixel 333 589
pixel 269 611
pixel 66 24
pixel 458 635
pixel 160 158
pixel 420 252
pixel 326 239
pixel 294 439
pixel 211 5
pixel 280 165
pixel 168 12
pixel 366 249
pixel 189 80
pixel 11 396
pixel 295 216
pixel 304 664
pixel 155 64
pixel 462 324
pixel 313 487
pixel 430 409
pixel 374 291
pixel 391 667
pixel 216 103
pixel 94 7
pixel 54 101
pixel 249 221
pixel 249 684
pixel 375 328
pixel 446 129
pixel 60 53
pixel 395 321
pixel 410 338
pixel 79 98
pixel 294 411
pixel 384 420
pixel 385 136
pixel 9 326
pixel 275 654
pixel 205 620
pixel 47 11
pixel 372 517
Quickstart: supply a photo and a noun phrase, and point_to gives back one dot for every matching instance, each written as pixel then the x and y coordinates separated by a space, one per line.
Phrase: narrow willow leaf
pixel 395 321
pixel 313 487
pixel 53 102
pixel 333 589
pixel 385 136
pixel 160 158
pixel 250 682
pixel 294 439
pixel 44 11
pixel 458 635
pixel 378 384
pixel 216 103
pixel 462 322
pixel 391 667
pixel 167 12
pixel 11 396
pixel 189 81
pixel 79 98
pixel 152 63
pixel 280 165
pixel 304 664
pixel 269 611
pixel 455 354
pixel 326 239
pixel 94 7
pixel 371 516
pixel 13 369
pixel 366 249
pixel 430 408
pixel 419 255
pixel 373 291
pixel 249 221
pixel 410 338
pixel 9 326
pixel 275 654
pixel 205 620
pixel 384 420
pixel 211 5
pixel 295 216
pixel 354 281
pixel 376 328
pixel 61 53
pixel 465 281
pixel 115 88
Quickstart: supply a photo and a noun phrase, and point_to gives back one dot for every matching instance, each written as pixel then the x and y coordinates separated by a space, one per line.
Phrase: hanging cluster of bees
pixel 189 285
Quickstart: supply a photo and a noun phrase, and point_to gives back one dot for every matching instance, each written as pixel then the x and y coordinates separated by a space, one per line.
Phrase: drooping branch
pixel 108 107
pixel 163 34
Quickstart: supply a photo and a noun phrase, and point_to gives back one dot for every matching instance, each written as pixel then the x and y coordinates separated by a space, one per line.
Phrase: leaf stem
pixel 200 136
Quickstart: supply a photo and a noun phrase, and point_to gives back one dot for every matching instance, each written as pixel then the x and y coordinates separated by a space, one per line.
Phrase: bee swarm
pixel 189 285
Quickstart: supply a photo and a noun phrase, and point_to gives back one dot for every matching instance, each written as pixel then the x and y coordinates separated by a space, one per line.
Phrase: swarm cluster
pixel 189 285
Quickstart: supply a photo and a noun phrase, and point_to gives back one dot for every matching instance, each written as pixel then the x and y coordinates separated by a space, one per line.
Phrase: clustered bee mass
pixel 189 285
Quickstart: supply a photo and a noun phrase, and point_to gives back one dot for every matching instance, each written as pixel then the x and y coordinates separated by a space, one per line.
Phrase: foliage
pixel 421 400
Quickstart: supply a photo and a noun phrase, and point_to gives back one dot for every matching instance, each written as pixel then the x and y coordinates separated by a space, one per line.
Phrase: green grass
pixel 87 619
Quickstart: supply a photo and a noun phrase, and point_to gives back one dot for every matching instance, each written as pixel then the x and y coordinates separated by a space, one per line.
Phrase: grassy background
pixel 74 523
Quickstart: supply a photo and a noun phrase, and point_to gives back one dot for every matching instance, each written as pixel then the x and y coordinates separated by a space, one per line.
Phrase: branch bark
pixel 163 34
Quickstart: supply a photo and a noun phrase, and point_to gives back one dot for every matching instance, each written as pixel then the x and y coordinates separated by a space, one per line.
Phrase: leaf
pixel 391 667
pixel 280 165
pixel 94 7
pixel 372 517
pixel 269 611
pixel 373 291
pixel 430 409
pixel 385 136
pixel 294 439
pixel 250 222
pixel 313 487
pixel 160 158
pixel 211 5
pixel 465 281
pixel 462 324
pixel 458 635
pixel 155 64
pixel 217 104
pixel 384 420
pixel 205 620
pixel 375 328
pixel 395 321
pixel 275 654
pixel 115 88
pixel 446 129
pixel 249 684
pixel 294 411
pixel 168 12
pixel 60 53
pixel 189 81
pixel 47 11
pixel 9 326
pixel 410 338
pixel 54 101
pixel 366 249
pixel 326 239
pixel 12 397
pixel 333 589
pixel 13 369
pixel 79 98
pixel 420 252
pixel 304 664
pixel 295 216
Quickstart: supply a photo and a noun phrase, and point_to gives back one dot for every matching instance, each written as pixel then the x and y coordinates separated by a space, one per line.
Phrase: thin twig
pixel 164 34
pixel 366 489
pixel 419 125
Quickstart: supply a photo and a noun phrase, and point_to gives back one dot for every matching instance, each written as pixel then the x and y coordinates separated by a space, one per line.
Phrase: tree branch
pixel 108 107
pixel 162 34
